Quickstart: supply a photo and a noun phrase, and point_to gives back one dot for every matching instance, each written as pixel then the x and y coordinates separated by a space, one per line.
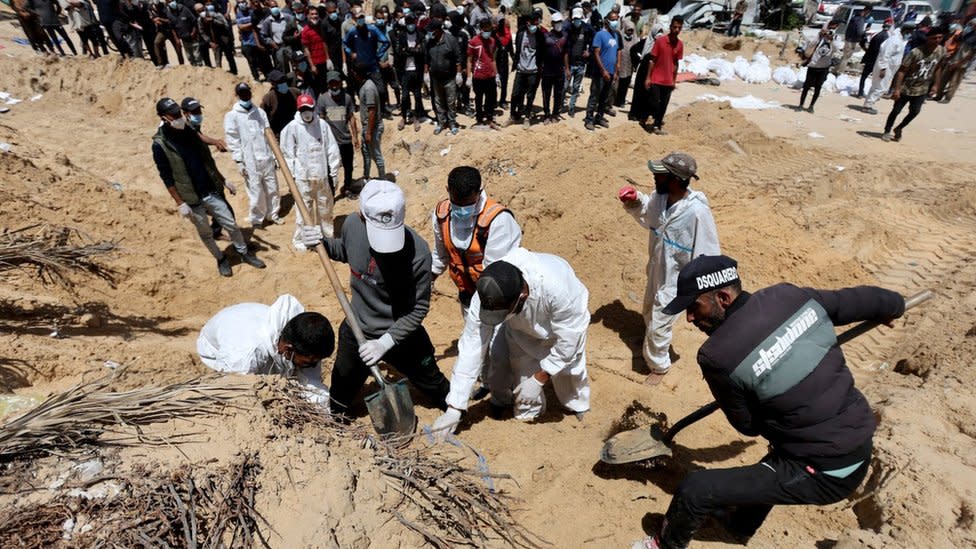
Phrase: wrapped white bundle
pixel 847 85
pixel 722 68
pixel 695 64
pixel 784 76
pixel 801 75
pixel 830 85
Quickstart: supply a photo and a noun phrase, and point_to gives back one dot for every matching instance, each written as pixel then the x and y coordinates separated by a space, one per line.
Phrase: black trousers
pixel 596 106
pixel 412 357
pixel 501 65
pixel 226 48
pixel 815 79
pixel 523 94
pixel 752 490
pixel 914 107
pixel 552 94
pixel 865 73
pixel 346 154
pixel 622 86
pixel 485 96
pixel 660 97
pixel 411 100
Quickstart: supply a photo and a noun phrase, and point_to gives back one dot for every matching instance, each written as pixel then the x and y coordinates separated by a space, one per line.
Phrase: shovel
pixel 390 408
pixel 647 443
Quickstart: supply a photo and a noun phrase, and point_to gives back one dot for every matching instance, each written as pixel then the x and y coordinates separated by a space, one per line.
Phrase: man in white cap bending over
pixel 542 309
pixel 283 339
pixel 391 284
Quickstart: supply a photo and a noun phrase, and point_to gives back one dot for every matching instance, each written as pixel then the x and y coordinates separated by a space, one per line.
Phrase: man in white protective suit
pixel 244 133
pixel 283 339
pixel 312 155
pixel 888 63
pixel 541 307
pixel 682 229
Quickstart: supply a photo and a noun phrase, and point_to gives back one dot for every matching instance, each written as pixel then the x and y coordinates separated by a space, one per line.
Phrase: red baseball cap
pixel 305 101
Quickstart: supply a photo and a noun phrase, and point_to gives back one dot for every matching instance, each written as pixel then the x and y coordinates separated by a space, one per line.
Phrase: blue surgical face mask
pixel 300 16
pixel 532 29
pixel 430 36
pixel 461 213
pixel 282 87
pixel 211 9
pixel 173 5
pixel 334 16
pixel 245 104
pixel 303 66
pixel 275 12
pixel 196 119
pixel 557 26
pixel 381 22
pixel 577 23
pixel 486 34
pixel 614 24
pixel 361 22
pixel 335 91
pixel 411 28
pixel 406 12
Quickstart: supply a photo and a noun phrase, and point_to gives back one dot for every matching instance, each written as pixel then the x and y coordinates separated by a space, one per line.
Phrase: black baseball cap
pixel 704 274
pixel 276 77
pixel 190 104
pixel 499 288
pixel 168 106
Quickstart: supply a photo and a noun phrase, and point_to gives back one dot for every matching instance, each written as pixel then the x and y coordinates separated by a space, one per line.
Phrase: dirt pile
pixel 818 216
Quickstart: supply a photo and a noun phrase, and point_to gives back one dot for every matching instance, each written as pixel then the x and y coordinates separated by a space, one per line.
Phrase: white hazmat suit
pixel 888 63
pixel 548 334
pixel 312 155
pixel 243 339
pixel 679 234
pixel 244 133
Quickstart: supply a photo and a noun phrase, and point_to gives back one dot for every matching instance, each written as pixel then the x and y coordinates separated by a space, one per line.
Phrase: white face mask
pixel 308 116
pixel 178 124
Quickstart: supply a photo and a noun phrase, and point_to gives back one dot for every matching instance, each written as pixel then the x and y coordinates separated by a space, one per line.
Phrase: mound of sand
pixel 80 156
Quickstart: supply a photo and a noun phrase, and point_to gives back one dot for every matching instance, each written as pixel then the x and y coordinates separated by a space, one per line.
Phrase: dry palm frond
pixel 75 418
pixel 55 252
pixel 454 505
pixel 215 510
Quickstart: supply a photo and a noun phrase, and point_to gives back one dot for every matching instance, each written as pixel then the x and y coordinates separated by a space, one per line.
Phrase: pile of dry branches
pixel 453 505
pixel 75 419
pixel 54 252
pixel 215 511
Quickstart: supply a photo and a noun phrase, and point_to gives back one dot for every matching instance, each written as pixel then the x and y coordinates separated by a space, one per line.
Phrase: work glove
pixel 231 188
pixel 446 424
pixel 427 79
pixel 458 80
pixel 627 194
pixel 184 210
pixel 329 66
pixel 373 350
pixel 311 236
pixel 529 392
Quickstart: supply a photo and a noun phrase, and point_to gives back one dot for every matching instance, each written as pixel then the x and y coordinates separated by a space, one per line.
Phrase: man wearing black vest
pixel 192 179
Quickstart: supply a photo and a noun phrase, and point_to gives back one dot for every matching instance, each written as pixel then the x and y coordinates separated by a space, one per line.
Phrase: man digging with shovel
pixel 391 286
pixel 775 367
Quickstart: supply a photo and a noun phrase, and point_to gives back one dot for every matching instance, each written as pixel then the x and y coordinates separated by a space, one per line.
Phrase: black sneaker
pixel 897 135
pixel 223 266
pixel 602 122
pixel 589 126
pixel 252 260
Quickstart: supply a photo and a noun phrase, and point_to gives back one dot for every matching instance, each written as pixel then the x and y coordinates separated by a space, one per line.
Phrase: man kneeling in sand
pixel 252 338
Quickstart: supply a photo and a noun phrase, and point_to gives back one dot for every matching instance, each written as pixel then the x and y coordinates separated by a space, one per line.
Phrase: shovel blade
pixel 391 410
pixel 634 445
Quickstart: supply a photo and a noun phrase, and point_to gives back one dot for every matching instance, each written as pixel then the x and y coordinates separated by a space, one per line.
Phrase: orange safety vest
pixel 465 266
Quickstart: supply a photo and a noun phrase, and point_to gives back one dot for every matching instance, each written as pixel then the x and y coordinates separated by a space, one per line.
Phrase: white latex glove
pixel 329 66
pixel 232 188
pixel 498 81
pixel 458 80
pixel 184 210
pixel 529 392
pixel 373 350
pixel 311 235
pixel 469 82
pixel 427 79
pixel 446 424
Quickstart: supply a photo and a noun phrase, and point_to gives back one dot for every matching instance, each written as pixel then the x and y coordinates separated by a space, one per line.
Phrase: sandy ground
pixel 842 210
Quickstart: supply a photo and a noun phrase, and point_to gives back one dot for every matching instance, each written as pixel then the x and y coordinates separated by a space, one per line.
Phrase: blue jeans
pixel 373 153
pixel 573 85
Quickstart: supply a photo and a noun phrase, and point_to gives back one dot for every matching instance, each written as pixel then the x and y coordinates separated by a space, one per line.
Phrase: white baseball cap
pixel 577 13
pixel 382 204
pixel 556 17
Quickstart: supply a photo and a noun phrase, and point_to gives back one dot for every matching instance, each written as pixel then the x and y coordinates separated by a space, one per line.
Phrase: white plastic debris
pixel 36 97
pixel 445 151
pixel 111 364
pixel 89 469
pixel 5 147
pixel 747 102
pixel 815 135
pixel 839 168
pixel 847 118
